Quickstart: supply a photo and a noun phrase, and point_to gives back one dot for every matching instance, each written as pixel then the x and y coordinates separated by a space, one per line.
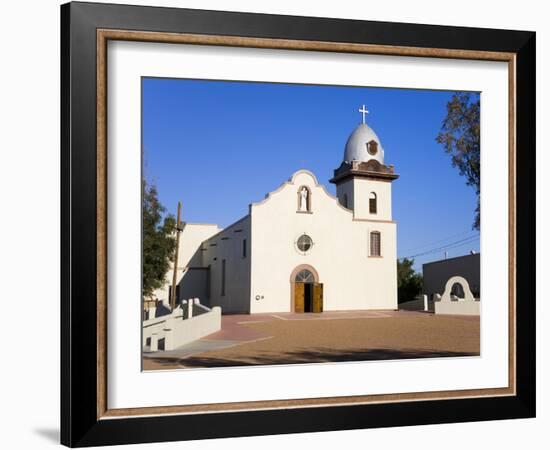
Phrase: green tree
pixel 159 242
pixel 409 283
pixel 460 137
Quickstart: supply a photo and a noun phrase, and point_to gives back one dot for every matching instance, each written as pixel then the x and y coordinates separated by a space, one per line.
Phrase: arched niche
pixel 468 296
pixel 304 198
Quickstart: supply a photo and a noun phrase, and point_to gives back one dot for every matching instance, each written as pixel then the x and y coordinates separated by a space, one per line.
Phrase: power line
pixel 429 244
pixel 449 246
pixel 446 247
pixel 420 257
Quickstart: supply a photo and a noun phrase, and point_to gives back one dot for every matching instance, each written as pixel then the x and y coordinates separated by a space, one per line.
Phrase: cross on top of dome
pixel 363 111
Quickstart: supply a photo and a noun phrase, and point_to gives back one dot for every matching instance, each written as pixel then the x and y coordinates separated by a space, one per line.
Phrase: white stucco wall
pixel 191 238
pixel 344 190
pixel 177 329
pixel 358 191
pixel 458 307
pixel 228 245
pixel 193 284
pixel 351 279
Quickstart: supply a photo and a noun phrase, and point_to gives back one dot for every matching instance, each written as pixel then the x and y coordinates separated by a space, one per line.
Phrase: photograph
pixel 307 224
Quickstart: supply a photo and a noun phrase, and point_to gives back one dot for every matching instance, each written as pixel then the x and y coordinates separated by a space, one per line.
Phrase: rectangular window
pixel 375 243
pixel 244 248
pixel 223 277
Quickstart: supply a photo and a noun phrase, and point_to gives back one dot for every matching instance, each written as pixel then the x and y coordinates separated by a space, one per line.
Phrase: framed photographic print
pixel 277 224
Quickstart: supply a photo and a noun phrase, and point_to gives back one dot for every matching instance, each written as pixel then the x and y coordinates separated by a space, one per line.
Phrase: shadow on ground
pixel 303 357
pixel 50 434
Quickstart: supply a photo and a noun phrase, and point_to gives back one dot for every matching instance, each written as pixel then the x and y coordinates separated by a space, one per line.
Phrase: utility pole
pixel 175 276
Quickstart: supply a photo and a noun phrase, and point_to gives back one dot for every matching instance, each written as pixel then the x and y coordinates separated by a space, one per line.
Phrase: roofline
pixel 369 175
pixel 308 172
pixel 450 259
pixel 290 181
pixel 201 224
pixel 227 227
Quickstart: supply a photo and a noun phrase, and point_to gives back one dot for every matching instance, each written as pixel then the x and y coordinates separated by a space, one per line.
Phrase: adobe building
pixel 301 249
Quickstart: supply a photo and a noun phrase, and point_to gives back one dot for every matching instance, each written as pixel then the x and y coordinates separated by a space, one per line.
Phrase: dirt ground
pixel 275 339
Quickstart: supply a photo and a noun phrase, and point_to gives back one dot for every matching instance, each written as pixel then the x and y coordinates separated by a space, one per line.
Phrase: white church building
pixel 301 249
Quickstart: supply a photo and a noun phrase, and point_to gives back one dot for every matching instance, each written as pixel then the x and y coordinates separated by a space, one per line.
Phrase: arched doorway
pixel 306 293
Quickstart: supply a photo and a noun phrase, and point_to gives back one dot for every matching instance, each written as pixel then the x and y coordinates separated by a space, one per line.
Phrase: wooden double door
pixel 308 297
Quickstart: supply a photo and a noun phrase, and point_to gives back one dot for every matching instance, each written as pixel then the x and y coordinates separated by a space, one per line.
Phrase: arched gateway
pixel 306 293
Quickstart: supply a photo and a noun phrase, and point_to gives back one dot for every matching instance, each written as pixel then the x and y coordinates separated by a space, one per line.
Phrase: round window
pixel 304 243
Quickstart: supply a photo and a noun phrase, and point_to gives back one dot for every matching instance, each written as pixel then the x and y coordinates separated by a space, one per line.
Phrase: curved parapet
pixel 450 304
pixel 296 179
pixel 468 296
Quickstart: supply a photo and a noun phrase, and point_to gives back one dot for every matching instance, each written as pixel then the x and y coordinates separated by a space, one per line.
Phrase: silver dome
pixel 356 146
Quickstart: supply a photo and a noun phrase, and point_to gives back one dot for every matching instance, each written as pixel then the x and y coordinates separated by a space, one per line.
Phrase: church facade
pixel 301 249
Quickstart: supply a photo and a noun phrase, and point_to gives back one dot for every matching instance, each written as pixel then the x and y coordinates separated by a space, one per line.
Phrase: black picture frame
pixel 80 425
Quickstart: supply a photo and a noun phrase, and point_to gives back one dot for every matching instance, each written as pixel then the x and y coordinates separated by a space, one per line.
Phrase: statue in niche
pixel 304 200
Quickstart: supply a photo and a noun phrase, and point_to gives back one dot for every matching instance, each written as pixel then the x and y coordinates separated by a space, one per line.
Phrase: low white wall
pixel 180 332
pixel 176 329
pixel 460 307
pixel 450 304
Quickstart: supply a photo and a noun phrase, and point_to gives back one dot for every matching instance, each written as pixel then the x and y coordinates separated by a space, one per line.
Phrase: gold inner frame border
pixel 104 35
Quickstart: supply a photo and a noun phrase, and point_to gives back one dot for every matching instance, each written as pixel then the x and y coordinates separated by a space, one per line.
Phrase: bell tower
pixel 363 181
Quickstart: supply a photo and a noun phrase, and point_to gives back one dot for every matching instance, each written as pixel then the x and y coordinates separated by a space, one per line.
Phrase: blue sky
pixel 250 137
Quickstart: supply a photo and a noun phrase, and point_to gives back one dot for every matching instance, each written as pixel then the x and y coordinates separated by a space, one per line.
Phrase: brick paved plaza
pixel 287 338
